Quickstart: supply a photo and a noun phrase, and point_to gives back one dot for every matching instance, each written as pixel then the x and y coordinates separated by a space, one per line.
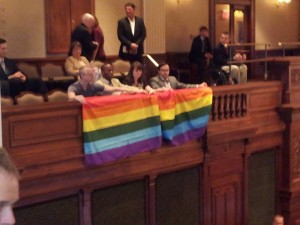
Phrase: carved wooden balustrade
pixel 229 105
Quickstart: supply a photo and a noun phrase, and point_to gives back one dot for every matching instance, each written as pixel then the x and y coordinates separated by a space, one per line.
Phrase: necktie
pixel 203 46
pixel 3 66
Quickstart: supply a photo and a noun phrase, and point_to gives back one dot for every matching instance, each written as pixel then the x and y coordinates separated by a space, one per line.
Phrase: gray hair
pixel 6 163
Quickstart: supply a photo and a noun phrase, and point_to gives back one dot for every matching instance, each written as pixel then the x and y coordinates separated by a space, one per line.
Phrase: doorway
pixel 238 18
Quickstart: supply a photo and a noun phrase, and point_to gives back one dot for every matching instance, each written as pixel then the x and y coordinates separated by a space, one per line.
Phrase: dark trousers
pixel 199 69
pixel 4 88
pixel 15 86
pixel 132 57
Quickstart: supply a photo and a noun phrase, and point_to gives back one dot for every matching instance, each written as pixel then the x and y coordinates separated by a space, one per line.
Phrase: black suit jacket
pixel 82 34
pixel 126 37
pixel 11 68
pixel 221 55
pixel 199 49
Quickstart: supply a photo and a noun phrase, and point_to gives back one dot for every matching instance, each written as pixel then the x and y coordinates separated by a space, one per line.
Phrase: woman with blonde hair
pixel 75 61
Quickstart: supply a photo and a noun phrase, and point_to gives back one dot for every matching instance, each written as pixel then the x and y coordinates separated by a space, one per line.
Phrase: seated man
pixel 9 188
pixel 164 80
pixel 13 81
pixel 86 88
pixel 107 70
pixel 238 73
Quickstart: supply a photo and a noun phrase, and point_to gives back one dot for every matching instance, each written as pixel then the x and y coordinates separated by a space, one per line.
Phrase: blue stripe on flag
pixel 121 140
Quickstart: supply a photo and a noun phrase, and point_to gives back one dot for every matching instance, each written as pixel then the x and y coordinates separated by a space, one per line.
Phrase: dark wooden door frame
pixel 212 22
pixel 251 29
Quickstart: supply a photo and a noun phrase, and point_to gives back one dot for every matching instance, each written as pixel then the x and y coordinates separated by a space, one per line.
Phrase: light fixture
pixel 280 2
pixel 182 1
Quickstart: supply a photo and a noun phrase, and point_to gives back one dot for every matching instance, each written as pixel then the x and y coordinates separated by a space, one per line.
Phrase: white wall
pixel 182 20
pixel 274 24
pixel 22 25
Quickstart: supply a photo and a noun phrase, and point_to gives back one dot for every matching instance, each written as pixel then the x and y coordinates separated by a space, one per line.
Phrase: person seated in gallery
pixel 107 76
pixel 13 80
pixel 221 56
pixel 136 78
pixel 164 80
pixel 75 61
pixel 85 87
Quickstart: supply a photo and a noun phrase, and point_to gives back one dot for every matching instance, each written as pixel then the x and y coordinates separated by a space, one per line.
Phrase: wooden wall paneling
pixel 150 199
pixel 44 128
pixel 58 37
pixel 223 200
pixel 119 204
pixel 262 187
pixel 85 207
pixel 64 210
pixel 78 7
pixel 290 164
pixel 287 69
pixel 66 13
pixel 177 197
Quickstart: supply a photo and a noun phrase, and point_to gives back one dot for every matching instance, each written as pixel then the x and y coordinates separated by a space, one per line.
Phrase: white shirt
pixel 3 64
pixel 166 82
pixel 132 25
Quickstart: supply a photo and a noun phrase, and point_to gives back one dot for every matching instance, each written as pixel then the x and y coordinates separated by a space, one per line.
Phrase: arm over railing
pixel 252 61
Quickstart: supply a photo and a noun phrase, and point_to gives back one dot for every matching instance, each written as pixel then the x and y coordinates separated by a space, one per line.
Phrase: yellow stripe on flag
pixel 184 107
pixel 120 119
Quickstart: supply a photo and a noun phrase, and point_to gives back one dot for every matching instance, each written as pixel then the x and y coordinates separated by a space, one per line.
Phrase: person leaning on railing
pixel 137 79
pixel 85 87
pixel 165 81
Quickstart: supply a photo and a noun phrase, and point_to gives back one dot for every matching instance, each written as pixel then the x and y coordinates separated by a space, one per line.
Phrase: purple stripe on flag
pixel 188 135
pixel 122 152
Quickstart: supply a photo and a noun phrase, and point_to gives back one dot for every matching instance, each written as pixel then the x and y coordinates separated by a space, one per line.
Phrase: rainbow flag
pixel 184 114
pixel 116 127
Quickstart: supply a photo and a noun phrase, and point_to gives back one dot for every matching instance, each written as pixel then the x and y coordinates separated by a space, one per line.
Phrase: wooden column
pixel 150 200
pixel 290 165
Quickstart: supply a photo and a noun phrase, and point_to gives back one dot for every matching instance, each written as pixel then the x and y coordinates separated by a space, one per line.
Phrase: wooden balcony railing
pixel 230 102
pixel 231 105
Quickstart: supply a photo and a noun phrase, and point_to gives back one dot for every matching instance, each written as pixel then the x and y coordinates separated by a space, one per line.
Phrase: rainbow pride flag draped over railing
pixel 116 127
pixel 184 114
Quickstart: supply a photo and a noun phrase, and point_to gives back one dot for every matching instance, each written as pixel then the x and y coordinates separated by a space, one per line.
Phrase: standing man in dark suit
pixel 12 80
pixel 83 34
pixel 131 33
pixel 201 53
